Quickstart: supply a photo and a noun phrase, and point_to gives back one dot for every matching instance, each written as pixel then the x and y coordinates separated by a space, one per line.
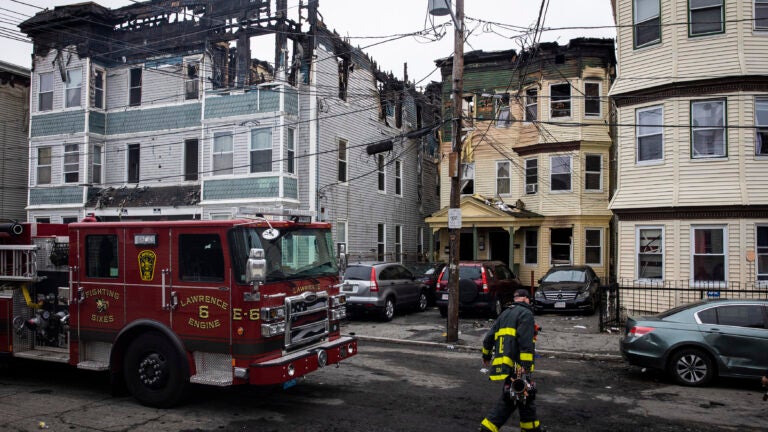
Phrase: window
pixel 45 92
pixel 96 163
pixel 650 253
pixel 560 100
pixel 560 251
pixel 222 153
pixel 593 241
pixel 261 150
pixel 342 174
pixel 134 97
pixel 43 165
pixel 381 243
pixel 73 88
pixel 341 234
pixel 398 243
pixel 592 105
pixel 381 165
pixel 560 168
pixel 468 178
pixel 101 256
pixel 290 151
pixel 734 315
pixel 134 163
pixel 709 259
pixel 531 246
pixel 201 258
pixel 68 219
pixel 705 17
pixel 503 118
pixel 71 163
pixel 708 129
pixel 761 121
pixel 344 66
pixel 192 81
pixel 649 133
pixel 761 15
pixel 191 159
pixel 98 88
pixel 647 22
pixel 398 177
pixel 593 172
pixel 762 252
pixel 531 104
pixel 42 219
pixel 503 178
pixel 531 175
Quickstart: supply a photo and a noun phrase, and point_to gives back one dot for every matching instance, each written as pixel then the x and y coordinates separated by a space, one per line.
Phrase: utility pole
pixel 454 162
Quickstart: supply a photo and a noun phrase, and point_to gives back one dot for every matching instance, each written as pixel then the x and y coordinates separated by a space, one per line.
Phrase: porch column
pixel 511 263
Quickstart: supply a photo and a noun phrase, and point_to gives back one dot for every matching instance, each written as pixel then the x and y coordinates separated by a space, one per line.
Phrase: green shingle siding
pixel 290 188
pixel 242 104
pixel 67 122
pixel 97 123
pixel 291 101
pixel 153 119
pixel 56 195
pixel 261 187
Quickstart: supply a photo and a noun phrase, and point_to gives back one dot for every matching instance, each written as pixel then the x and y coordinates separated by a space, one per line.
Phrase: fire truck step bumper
pixel 302 362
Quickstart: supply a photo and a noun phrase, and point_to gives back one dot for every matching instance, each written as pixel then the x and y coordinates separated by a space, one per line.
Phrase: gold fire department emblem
pixel 147 260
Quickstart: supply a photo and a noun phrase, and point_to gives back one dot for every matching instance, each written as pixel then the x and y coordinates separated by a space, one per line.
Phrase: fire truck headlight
pixel 291 370
pixel 350 349
pixel 338 300
pixel 338 314
pixel 270 330
pixel 269 314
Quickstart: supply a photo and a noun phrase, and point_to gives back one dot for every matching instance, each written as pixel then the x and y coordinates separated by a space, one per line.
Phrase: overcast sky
pixel 493 25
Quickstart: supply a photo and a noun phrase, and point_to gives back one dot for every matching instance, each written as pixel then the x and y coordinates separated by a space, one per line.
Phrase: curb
pixel 459 347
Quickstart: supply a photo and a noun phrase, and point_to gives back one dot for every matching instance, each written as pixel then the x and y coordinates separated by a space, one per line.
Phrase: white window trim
pixel 601 246
pixel 381 170
pixel 600 173
pixel 384 242
pixel 708 284
pixel 251 149
pixel 526 104
pixel 40 92
pixel 103 88
pixel 346 160
pixel 525 248
pixel 599 99
pixel 763 100
pixel 525 174
pixel 635 23
pixel 509 164
pixel 638 136
pixel 724 128
pixel 398 176
pixel 49 165
pixel 64 164
pixel 570 100
pixel 759 30
pixel 399 243
pixel 345 241
pixel 690 20
pixel 100 162
pixel 290 152
pixel 213 172
pixel 552 172
pixel 759 283
pixel 220 216
pixel 67 88
pixel 638 228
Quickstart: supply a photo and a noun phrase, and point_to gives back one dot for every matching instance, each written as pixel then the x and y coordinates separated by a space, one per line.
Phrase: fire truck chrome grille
pixel 307 318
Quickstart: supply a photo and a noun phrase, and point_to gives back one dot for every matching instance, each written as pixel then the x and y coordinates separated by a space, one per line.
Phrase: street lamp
pixel 443 7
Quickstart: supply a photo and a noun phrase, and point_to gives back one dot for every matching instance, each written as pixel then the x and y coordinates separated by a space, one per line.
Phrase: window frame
pixel 191 81
pixel 399 243
pixel 189 174
pixel 598 98
pixel 658 130
pixel 660 251
pixel 636 24
pixel 467 168
pixel 599 246
pixel 99 93
pixel 342 230
pixel 290 150
pixel 722 128
pixel 531 101
pixel 222 154
pixel 598 173
pixel 691 23
pixel 508 178
pixel 68 87
pixel 381 172
pixel 693 254
pixel 381 242
pixel 398 177
pixel 343 158
pixel 48 93
pixel 97 164
pixel 70 171
pixel 552 173
pixel 761 255
pixel 133 170
pixel 764 9
pixel 761 129
pixel 528 247
pixel 47 166
pixel 258 150
pixel 560 99
pixel 535 175
pixel 553 245
pixel 135 90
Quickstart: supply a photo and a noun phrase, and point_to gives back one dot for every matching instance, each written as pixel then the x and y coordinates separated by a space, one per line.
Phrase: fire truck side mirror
pixel 341 255
pixel 256 268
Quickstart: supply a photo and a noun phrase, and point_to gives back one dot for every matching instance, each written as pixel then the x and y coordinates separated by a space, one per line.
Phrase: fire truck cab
pixel 253 300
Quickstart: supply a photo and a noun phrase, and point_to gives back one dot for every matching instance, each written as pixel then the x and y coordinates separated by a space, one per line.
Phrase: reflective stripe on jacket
pixel 510 341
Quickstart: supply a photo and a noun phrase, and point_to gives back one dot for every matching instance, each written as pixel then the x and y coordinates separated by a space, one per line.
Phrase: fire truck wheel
pixel 154 372
pixel 389 309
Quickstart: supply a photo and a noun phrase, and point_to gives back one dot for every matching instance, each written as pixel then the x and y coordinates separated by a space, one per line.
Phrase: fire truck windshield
pixel 295 254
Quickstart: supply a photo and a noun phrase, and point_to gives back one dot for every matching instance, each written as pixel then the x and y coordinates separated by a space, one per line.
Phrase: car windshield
pixel 357 273
pixel 465 272
pixel 565 276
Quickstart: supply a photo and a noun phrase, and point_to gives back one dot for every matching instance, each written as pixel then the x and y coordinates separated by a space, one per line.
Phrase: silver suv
pixel 382 288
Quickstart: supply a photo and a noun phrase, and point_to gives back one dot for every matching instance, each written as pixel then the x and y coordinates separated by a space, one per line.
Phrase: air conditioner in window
pixel 530 188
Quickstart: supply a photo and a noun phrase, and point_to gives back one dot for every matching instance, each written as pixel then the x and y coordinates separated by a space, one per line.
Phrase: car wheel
pixel 443 312
pixel 155 371
pixel 691 367
pixel 389 309
pixel 423 300
pixel 592 307
pixel 497 308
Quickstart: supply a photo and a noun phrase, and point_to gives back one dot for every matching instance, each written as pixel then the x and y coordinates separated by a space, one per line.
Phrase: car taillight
pixel 485 279
pixel 374 286
pixel 640 330
pixel 439 286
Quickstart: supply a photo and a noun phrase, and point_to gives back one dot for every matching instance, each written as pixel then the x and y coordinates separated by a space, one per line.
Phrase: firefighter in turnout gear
pixel 510 343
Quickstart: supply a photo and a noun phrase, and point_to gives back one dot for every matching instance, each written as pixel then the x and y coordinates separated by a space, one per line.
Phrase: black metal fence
pixel 632 297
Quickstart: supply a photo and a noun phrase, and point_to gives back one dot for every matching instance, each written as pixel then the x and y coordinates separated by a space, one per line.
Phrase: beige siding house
pixel 535 185
pixel 691 101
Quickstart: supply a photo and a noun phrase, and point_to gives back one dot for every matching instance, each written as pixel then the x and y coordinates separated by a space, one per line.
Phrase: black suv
pixel 484 286
pixel 568 289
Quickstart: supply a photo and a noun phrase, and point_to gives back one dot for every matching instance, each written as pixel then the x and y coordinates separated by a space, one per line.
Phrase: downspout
pixel 87 133
pixel 314 136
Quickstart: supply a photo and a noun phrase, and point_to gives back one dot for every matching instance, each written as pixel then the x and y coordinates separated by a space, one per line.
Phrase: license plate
pixel 445 296
pixel 559 305
pixel 348 288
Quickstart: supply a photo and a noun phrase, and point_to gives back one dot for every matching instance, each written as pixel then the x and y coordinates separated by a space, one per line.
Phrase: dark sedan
pixel 568 289
pixel 697 342
pixel 428 273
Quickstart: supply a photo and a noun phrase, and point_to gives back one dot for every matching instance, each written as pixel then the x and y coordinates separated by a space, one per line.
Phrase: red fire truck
pixel 160 305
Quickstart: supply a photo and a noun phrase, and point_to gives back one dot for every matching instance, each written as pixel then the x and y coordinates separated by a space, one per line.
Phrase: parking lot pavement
pixel 562 335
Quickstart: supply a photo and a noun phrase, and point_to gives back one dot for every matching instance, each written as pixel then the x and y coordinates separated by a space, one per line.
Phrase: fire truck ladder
pixel 18 263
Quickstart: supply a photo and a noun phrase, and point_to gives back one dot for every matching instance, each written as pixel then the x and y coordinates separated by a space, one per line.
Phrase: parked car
pixel 382 288
pixel 428 274
pixel 699 341
pixel 484 286
pixel 572 288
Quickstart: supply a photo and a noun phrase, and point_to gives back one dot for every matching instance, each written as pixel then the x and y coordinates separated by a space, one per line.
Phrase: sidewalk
pixel 562 336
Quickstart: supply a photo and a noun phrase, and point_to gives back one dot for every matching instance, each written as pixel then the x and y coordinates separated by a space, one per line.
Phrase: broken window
pixel 592 99
pixel 761 121
pixel 45 92
pixel 708 137
pixel 560 98
pixel 531 104
pixel 134 98
pixel 467 178
pixel 98 88
pixel 343 77
pixel 192 81
pixel 503 178
pixel 191 156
